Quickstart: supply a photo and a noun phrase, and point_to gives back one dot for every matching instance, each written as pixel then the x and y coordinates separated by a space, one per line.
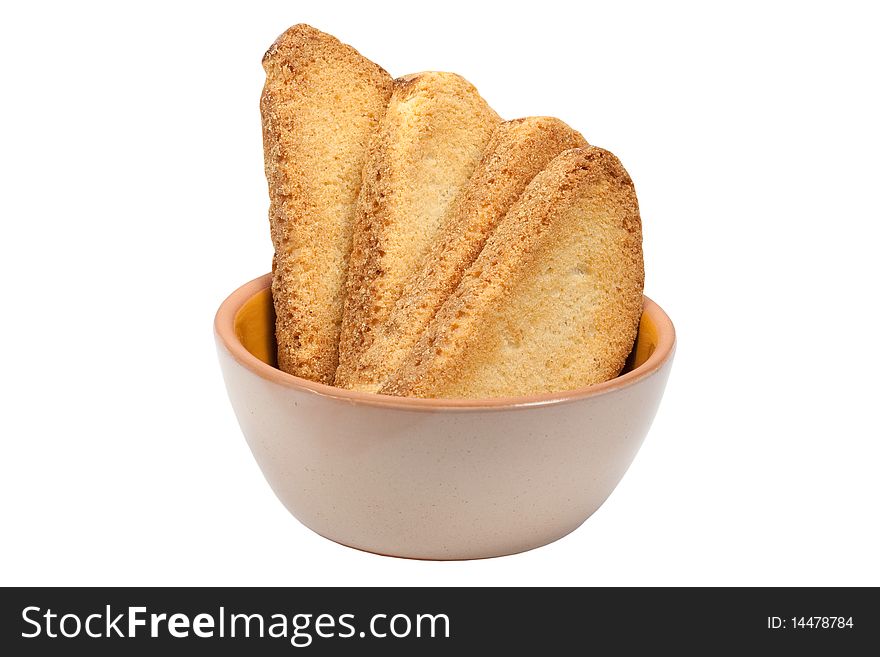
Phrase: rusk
pixel 430 140
pixel 516 152
pixel 321 103
pixel 554 299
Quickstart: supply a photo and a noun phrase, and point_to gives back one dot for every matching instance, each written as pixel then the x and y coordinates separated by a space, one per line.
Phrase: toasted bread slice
pixel 430 140
pixel 320 105
pixel 517 151
pixel 552 302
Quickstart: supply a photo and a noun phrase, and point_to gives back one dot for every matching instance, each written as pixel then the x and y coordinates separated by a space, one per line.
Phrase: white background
pixel 133 201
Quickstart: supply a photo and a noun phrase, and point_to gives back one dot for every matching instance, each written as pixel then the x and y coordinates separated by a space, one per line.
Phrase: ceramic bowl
pixel 436 478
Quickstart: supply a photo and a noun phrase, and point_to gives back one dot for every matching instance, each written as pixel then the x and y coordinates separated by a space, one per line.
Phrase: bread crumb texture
pixel 553 300
pixel 429 142
pixel 516 152
pixel 424 247
pixel 321 103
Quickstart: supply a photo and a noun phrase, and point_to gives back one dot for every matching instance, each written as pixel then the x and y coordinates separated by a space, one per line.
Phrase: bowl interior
pixel 255 329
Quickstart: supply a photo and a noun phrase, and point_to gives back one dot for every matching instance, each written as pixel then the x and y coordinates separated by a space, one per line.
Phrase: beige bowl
pixel 436 478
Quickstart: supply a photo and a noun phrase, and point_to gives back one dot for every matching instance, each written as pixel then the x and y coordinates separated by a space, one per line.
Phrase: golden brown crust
pixel 321 103
pixel 517 151
pixel 429 141
pixel 553 300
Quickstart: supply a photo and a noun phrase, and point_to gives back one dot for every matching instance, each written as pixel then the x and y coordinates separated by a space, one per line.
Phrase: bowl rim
pixel 224 331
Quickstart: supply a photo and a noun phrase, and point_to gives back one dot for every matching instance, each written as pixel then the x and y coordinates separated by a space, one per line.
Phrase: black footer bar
pixel 437 621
